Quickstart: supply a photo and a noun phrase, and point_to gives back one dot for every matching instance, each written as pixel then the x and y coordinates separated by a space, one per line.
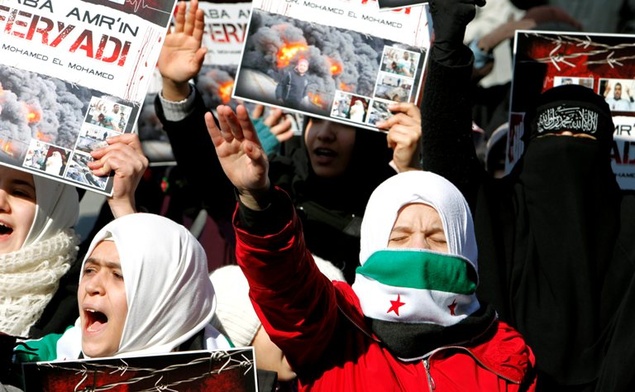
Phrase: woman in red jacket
pixel 410 322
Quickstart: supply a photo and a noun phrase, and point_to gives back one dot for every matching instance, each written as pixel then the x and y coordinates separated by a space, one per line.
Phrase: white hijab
pixel 56 209
pixel 170 297
pixel 418 187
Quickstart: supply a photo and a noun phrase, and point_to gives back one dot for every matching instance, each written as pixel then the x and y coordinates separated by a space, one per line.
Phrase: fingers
pixel 257 112
pixel 404 113
pixel 190 18
pixel 179 18
pixel 213 130
pixel 274 117
pixel 283 130
pixel 199 25
pixel 123 155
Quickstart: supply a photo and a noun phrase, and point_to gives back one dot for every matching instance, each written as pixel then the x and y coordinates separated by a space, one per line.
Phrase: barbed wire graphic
pixel 236 359
pixel 608 54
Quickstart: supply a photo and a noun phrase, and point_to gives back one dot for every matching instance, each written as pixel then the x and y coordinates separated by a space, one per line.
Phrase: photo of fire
pixel 338 62
pixel 35 107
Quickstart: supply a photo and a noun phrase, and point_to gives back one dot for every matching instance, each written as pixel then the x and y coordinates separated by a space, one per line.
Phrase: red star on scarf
pixel 395 305
pixel 452 307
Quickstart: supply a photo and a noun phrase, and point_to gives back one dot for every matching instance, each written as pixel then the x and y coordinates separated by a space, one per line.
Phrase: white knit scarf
pixel 30 276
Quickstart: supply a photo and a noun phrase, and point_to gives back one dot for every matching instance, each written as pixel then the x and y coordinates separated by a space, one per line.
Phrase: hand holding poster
pixel 340 60
pixel 73 73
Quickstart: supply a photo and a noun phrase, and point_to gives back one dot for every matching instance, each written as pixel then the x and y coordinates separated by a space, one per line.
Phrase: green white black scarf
pixel 417 299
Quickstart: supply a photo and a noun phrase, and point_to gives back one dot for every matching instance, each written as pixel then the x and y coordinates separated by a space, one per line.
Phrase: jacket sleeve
pixel 195 154
pixel 294 301
pixel 446 119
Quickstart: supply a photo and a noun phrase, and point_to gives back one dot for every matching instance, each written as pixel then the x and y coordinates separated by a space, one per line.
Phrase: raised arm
pixel 446 109
pixel 182 110
pixel 270 248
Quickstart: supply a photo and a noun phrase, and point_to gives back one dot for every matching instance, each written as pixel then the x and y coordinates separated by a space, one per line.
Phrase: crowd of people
pixel 353 260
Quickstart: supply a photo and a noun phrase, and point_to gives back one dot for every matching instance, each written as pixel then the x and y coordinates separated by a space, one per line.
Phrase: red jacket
pixel 320 327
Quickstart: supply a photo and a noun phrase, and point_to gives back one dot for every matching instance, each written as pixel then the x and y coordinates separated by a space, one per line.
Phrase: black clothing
pixel 292 89
pixel 546 233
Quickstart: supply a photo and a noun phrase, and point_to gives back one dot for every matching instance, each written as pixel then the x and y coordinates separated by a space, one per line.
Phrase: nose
pixel 325 134
pixel 419 241
pixel 94 284
pixel 4 200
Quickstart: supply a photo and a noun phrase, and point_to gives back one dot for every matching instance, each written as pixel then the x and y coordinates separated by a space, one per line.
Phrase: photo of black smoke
pixel 216 83
pixel 339 60
pixel 37 107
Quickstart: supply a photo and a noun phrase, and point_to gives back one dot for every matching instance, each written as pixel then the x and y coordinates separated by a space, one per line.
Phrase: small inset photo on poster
pixel 378 111
pixel 108 114
pixel 46 158
pixel 393 87
pixel 399 61
pixel 358 110
pixel 560 80
pixel 92 138
pixel 79 172
pixel 36 155
pixel 341 104
pixel 619 94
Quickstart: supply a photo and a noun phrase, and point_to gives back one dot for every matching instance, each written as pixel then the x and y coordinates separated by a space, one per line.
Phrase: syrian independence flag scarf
pixel 417 300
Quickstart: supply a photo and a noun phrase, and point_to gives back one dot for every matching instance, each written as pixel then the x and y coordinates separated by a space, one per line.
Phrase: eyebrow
pixel 103 263
pixel 19 181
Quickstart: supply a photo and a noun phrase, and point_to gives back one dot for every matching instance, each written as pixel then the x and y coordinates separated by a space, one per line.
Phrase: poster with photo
pixel 217 370
pixel 225 30
pixel 339 60
pixel 601 62
pixel 73 72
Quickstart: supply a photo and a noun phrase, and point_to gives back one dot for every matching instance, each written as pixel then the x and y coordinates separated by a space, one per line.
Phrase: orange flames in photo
pixel 336 67
pixel 225 91
pixel 288 52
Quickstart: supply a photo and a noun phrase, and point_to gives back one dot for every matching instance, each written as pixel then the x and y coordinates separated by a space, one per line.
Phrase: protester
pixel 411 321
pixel 40 246
pixel 144 289
pixel 550 234
pixel 329 176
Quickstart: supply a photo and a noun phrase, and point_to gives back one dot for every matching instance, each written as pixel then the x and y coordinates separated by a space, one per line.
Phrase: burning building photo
pixel 301 65
pixel 36 107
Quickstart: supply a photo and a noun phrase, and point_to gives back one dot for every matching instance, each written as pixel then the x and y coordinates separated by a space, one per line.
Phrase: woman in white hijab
pixel 37 246
pixel 144 289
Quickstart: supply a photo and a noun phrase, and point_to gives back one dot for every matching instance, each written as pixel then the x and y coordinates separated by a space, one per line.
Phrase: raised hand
pixel 182 53
pixel 240 153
